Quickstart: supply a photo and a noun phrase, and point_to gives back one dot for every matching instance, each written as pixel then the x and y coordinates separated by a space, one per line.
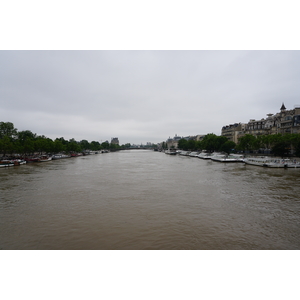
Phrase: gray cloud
pixel 142 96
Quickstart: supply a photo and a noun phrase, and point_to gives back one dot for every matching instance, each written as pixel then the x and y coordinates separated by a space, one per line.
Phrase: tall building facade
pixel 233 131
pixel 285 121
pixel 114 141
pixel 173 142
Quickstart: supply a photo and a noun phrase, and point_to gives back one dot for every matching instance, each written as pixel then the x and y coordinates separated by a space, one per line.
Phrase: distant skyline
pixel 143 96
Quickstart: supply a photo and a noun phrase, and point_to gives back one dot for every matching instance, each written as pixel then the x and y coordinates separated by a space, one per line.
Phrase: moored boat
pixel 291 163
pixel 256 161
pixel 45 158
pixel 266 162
pixel 60 156
pixel 222 158
pixel 6 163
pixel 32 159
pixel 185 153
pixel 219 157
pixel 238 157
pixel 276 163
pixel 216 155
pixel 18 162
pixel 232 158
pixel 194 154
pixel 205 155
pixel 171 152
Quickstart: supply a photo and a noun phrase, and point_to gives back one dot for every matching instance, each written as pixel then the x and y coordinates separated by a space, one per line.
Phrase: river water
pixel 141 199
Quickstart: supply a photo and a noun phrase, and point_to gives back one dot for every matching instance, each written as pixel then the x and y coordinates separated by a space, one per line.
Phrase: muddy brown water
pixel 141 199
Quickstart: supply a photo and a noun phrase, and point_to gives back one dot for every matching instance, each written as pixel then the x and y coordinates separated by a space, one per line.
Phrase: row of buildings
pixel 115 141
pixel 172 143
pixel 285 121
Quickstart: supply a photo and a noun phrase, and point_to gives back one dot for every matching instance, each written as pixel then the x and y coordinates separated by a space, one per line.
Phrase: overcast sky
pixel 143 96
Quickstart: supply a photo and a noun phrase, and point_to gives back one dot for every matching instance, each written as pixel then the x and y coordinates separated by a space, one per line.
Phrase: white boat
pixel 6 163
pixel 205 155
pixel 219 157
pixel 171 152
pixel 185 153
pixel 194 154
pixel 238 157
pixel 292 164
pixel 91 152
pixel 265 162
pixel 226 158
pixel 216 154
pixel 12 162
pixel 45 158
pixel 18 162
pixel 256 161
pixel 276 163
pixel 60 156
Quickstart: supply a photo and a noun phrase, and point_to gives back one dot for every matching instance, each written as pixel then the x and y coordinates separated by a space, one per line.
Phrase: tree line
pixel 210 142
pixel 26 143
pixel 276 144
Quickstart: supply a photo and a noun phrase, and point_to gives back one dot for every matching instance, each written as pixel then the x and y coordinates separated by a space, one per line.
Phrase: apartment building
pixel 285 121
pixel 233 131
pixel 114 141
pixel 173 142
pixel 255 127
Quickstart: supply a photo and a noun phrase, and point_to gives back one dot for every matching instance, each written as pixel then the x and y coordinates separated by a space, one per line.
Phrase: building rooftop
pixel 282 107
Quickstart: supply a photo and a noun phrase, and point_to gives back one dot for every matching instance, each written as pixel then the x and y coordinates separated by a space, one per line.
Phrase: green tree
pixel 228 146
pixel 85 145
pixel 58 146
pixel 295 143
pixel 26 139
pixel 199 145
pixel 95 146
pixel 191 145
pixel 281 148
pixel 25 135
pixel 128 145
pixel 219 142
pixel 183 144
pixel 44 144
pixel 105 145
pixel 210 142
pixel 73 146
pixel 8 134
pixel 114 147
pixel 28 146
pixel 247 142
pixel 7 129
pixel 6 145
pixel 264 141
pixel 48 145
